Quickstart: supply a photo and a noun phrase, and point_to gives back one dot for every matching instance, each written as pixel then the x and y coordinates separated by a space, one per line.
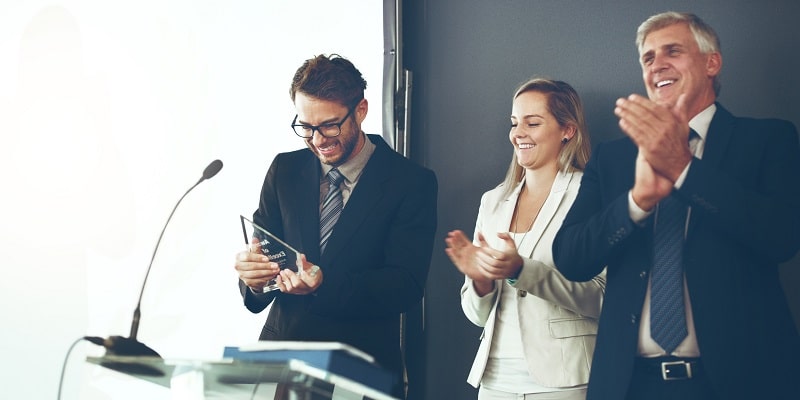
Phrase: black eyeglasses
pixel 330 130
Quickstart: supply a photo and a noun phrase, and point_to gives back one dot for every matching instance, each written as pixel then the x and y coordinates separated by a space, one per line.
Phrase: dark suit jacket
pixel 376 261
pixel 745 219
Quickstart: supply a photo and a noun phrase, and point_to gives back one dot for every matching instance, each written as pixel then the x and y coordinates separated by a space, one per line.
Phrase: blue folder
pixel 334 357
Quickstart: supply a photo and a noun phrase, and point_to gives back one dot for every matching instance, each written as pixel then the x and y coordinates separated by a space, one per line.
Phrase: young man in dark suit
pixel 707 319
pixel 374 262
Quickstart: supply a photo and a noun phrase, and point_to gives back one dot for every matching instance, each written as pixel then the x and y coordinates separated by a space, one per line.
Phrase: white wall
pixel 109 111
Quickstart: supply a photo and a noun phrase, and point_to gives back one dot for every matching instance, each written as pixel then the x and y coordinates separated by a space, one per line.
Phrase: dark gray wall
pixel 469 55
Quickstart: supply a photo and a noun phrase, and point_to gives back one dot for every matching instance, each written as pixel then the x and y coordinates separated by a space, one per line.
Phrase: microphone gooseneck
pixel 130 346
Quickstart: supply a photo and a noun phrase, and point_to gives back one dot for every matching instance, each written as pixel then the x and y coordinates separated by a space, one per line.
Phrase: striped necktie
pixel 331 208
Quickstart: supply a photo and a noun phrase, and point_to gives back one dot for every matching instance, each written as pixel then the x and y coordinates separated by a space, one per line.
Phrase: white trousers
pixel 489 394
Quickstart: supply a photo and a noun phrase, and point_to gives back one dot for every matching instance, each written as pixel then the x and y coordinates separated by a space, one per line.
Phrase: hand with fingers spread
pixel 305 281
pixel 464 255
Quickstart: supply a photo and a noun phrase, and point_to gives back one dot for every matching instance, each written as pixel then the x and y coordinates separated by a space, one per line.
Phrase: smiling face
pixel 535 133
pixel 672 64
pixel 333 151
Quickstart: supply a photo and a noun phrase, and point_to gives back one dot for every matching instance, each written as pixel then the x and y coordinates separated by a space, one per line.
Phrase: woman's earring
pixel 564 141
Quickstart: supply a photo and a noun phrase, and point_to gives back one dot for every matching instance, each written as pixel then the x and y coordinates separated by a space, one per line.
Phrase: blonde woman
pixel 539 328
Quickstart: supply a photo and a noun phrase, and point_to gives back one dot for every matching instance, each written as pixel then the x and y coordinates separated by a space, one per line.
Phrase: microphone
pixel 130 346
pixel 208 173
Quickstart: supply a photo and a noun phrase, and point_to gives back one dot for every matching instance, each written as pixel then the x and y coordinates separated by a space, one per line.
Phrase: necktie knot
pixel 694 140
pixel 335 177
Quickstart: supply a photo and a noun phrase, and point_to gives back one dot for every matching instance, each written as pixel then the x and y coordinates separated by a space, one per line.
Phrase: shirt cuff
pixel 635 212
pixel 256 293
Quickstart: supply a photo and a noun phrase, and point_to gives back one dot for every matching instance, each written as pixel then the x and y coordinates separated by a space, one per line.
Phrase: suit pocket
pixel 572 327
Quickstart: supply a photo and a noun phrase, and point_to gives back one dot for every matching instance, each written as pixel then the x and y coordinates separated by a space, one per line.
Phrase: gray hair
pixel 705 36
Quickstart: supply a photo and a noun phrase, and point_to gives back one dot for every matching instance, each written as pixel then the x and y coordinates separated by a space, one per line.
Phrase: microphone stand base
pixel 118 346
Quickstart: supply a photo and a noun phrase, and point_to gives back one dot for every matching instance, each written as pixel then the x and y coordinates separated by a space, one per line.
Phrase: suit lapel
pixel 502 221
pixel 367 194
pixel 548 211
pixel 306 193
pixel 718 138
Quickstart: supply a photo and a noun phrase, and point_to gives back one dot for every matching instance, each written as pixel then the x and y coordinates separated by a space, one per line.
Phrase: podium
pixel 237 379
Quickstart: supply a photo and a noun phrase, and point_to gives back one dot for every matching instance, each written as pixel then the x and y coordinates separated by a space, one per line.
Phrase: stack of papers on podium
pixel 337 358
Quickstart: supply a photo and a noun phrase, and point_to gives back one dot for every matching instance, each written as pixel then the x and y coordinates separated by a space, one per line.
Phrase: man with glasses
pixel 354 207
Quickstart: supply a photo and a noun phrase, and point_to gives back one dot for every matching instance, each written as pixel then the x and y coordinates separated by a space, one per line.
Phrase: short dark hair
pixel 332 78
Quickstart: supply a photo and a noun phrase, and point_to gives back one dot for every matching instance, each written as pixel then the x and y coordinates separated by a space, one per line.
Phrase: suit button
pixel 633 319
pixel 643 274
pixel 522 293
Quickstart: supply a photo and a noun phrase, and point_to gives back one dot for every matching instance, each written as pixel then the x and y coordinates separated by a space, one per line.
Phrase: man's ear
pixel 361 111
pixel 714 64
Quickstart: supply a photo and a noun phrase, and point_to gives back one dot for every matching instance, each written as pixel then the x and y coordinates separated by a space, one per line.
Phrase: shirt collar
pixel 352 168
pixel 702 121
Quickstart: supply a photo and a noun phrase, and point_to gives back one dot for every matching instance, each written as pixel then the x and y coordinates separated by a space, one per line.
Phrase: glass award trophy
pixel 261 241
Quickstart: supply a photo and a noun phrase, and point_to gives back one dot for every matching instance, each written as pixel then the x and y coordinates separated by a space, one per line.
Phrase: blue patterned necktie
pixel 331 208
pixel 667 311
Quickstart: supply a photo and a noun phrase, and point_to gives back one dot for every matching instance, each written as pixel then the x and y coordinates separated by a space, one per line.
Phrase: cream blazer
pixel 557 317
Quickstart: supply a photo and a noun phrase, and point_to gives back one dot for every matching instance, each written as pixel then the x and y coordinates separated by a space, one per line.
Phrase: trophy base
pixel 271 286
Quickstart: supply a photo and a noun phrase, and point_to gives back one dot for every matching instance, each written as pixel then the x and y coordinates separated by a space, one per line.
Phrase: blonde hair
pixel 566 107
